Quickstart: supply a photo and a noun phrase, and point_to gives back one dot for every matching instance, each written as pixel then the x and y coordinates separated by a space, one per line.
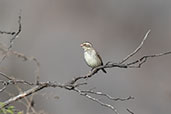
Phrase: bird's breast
pixel 92 59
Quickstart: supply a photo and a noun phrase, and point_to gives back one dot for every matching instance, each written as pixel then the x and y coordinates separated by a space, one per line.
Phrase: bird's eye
pixel 86 45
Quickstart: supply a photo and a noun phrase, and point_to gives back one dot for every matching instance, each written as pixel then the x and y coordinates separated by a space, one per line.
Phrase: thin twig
pixel 143 59
pixel 2 89
pixel 96 100
pixel 32 59
pixel 5 32
pixel 13 38
pixel 17 33
pixel 27 101
pixel 12 80
pixel 129 111
pixel 137 49
pixel 22 95
pixel 107 95
pixel 34 89
pixel 6 76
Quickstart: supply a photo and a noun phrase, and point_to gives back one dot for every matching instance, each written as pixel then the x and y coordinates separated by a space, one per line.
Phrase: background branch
pixel 15 35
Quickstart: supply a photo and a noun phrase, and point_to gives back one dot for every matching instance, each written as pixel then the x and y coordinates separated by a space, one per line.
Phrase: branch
pixel 36 87
pixel 42 85
pixel 143 59
pixel 96 100
pixel 107 95
pixel 2 89
pixel 15 35
pixel 8 33
pixel 6 76
pixel 137 49
pixel 129 111
pixel 32 59
pixel 121 64
pixel 11 81
pixel 22 95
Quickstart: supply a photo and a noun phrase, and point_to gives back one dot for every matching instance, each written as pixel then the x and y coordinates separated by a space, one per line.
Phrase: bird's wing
pixel 99 57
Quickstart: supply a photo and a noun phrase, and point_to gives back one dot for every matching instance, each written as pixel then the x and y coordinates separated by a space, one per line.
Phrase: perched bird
pixel 91 56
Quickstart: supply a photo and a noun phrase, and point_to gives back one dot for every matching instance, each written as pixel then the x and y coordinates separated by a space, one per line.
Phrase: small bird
pixel 91 56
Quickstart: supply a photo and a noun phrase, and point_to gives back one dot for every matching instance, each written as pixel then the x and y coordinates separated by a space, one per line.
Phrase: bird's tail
pixel 104 70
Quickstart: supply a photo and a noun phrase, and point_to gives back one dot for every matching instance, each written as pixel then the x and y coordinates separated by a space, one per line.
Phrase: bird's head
pixel 86 45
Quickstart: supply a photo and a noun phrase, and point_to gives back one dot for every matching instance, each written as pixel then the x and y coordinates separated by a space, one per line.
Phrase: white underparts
pixel 91 58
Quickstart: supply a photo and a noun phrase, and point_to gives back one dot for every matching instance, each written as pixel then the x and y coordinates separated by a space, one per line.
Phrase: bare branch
pixel 96 100
pixel 29 102
pixel 5 32
pixel 6 76
pixel 129 111
pixel 118 65
pixel 32 59
pixel 22 95
pixel 43 85
pixel 13 38
pixel 17 33
pixel 107 95
pixel 137 49
pixel 2 89
pixel 143 59
pixel 36 88
pixel 10 81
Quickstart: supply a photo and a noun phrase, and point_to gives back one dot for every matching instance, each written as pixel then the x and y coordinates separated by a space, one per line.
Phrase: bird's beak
pixel 81 45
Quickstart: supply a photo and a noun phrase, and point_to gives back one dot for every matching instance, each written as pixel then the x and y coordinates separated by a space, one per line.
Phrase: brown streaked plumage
pixel 91 56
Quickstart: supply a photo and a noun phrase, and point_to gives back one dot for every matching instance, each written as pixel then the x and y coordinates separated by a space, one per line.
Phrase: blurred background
pixel 52 31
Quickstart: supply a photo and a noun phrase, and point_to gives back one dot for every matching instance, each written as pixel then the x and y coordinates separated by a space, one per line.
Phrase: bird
pixel 91 56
